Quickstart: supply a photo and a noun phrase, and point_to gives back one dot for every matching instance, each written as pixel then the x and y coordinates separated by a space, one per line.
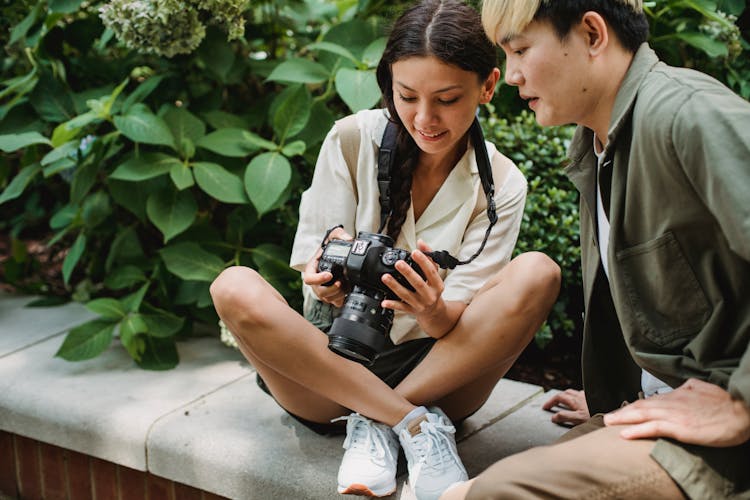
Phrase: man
pixel 661 158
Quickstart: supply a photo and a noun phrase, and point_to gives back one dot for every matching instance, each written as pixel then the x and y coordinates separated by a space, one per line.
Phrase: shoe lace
pixel 363 434
pixel 433 446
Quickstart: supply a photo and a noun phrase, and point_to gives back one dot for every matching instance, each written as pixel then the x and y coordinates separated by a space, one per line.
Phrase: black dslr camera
pixel 361 330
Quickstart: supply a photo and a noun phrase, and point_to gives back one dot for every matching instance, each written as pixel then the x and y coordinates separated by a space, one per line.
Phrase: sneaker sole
pixel 362 490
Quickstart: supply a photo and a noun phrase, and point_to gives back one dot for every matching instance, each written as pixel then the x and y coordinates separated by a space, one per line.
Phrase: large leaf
pixel 333 48
pixel 124 277
pixel 145 166
pixel 162 324
pixel 190 262
pixel 714 48
pixel 107 308
pixel 266 178
pixel 216 181
pixel 171 211
pixel 87 341
pixel 160 354
pixel 74 255
pixel 51 100
pixel 297 70
pixel 232 142
pixel 184 125
pixel 291 112
pixel 141 125
pixel 358 89
pixel 142 91
pixel 19 182
pixel 14 142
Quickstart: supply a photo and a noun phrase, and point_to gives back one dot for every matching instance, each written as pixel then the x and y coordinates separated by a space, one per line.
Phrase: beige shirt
pixel 454 220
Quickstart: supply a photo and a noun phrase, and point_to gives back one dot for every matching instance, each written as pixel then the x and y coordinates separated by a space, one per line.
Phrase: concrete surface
pixel 205 423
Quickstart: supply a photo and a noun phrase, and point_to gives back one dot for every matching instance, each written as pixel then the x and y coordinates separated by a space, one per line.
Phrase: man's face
pixel 552 75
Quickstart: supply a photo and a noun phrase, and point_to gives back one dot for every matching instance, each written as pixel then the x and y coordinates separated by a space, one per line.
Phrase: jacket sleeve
pixel 711 136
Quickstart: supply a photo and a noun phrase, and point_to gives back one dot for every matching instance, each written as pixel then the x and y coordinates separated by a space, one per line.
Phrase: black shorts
pixel 391 366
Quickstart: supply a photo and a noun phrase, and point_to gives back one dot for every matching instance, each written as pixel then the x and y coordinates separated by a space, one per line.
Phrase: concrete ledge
pixel 204 424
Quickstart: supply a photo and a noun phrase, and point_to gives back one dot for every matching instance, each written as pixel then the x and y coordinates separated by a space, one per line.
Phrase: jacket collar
pixel 581 170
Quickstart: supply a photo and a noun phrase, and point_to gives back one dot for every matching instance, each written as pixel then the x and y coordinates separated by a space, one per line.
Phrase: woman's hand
pixel 333 294
pixel 425 302
pixel 571 407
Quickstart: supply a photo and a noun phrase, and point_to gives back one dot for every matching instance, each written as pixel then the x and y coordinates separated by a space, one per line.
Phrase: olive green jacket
pixel 679 253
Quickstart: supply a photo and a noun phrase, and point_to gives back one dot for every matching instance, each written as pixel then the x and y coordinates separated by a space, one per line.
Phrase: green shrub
pixel 550 221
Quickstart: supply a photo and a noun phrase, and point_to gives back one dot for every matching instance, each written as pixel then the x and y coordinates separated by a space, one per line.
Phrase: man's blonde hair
pixel 504 19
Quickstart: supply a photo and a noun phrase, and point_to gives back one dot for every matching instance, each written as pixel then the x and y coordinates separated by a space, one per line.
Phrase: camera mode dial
pixel 393 255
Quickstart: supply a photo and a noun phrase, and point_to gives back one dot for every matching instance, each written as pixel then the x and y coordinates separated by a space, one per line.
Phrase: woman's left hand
pixel 425 302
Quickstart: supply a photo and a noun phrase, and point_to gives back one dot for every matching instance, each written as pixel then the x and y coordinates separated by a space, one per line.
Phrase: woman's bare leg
pixel 293 358
pixel 464 366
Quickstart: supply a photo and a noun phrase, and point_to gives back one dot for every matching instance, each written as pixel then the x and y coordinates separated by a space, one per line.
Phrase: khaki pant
pixel 589 462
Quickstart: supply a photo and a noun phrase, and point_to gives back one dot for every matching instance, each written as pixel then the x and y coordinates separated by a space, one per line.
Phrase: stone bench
pixel 203 427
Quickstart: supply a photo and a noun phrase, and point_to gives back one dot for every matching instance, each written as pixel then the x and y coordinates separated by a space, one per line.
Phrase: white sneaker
pixel 369 464
pixel 429 444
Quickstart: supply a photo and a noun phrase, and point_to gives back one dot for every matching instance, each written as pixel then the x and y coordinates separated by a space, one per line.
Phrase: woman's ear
pixel 488 87
pixel 596 32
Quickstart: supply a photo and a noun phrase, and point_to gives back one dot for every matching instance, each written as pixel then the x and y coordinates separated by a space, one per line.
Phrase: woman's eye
pixel 448 101
pixel 407 99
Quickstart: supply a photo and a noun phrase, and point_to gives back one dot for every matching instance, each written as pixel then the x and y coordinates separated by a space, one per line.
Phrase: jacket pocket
pixel 667 302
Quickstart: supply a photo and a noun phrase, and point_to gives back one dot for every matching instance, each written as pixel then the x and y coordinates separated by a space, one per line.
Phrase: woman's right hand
pixel 335 293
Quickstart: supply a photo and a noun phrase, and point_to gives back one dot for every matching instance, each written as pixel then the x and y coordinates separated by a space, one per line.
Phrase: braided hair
pixel 452 32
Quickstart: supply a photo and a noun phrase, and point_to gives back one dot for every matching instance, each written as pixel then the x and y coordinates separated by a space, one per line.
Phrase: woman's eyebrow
pixel 438 91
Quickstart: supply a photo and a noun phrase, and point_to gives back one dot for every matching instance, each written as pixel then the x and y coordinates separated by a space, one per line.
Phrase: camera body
pixel 361 330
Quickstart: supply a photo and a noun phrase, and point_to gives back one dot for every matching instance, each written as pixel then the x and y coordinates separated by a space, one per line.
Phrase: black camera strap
pixel 386 159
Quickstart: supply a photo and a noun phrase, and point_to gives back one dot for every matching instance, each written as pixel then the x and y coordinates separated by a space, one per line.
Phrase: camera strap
pixel 386 159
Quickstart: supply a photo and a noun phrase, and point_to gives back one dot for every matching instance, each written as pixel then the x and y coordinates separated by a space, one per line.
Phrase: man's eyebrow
pixel 508 38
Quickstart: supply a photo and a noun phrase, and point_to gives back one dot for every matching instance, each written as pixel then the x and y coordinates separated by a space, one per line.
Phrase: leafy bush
pixel 550 222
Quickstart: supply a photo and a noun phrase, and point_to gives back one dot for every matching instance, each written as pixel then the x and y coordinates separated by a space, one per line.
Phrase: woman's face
pixel 437 101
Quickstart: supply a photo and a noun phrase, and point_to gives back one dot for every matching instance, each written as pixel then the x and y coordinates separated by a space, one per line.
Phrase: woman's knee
pixel 238 291
pixel 539 277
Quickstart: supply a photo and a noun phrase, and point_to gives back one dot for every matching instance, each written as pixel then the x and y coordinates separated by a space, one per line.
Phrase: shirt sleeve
pixel 714 152
pixel 463 282
pixel 330 200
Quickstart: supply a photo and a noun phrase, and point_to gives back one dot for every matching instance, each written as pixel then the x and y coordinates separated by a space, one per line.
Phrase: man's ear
pixel 488 87
pixel 596 31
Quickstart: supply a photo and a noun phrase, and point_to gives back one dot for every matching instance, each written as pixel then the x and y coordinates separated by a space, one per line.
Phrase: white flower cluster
pixel 171 27
pixel 226 336
pixel 728 33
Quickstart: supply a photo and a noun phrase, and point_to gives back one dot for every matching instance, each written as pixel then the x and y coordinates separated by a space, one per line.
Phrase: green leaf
pixel 291 112
pixel 171 211
pixel 14 142
pixel 63 217
pixel 233 142
pixel 64 6
pixel 160 354
pixel 358 89
pixel 297 70
pixel 373 52
pixel 62 151
pixel 74 255
pixel 714 48
pixel 334 48
pixel 162 323
pixel 87 340
pixel 294 148
pixel 19 182
pixel 141 125
pixel 124 277
pixel 132 302
pixel 266 178
pixel 190 262
pixel 181 176
pixel 51 100
pixel 145 166
pixel 221 119
pixel 107 308
pixel 131 329
pixel 219 183
pixel 95 210
pixel 84 179
pixel 142 91
pixel 184 125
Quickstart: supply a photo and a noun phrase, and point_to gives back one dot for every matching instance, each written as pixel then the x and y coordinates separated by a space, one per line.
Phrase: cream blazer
pixel 455 220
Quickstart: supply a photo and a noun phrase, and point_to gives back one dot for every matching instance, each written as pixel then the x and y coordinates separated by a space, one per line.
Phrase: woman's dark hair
pixel 629 24
pixel 450 31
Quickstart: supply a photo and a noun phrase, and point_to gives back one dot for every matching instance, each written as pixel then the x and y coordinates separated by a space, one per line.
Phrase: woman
pixel 457 332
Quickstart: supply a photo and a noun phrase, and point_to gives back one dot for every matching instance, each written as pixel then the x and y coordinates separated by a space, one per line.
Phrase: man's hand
pixel 697 412
pixel 572 407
